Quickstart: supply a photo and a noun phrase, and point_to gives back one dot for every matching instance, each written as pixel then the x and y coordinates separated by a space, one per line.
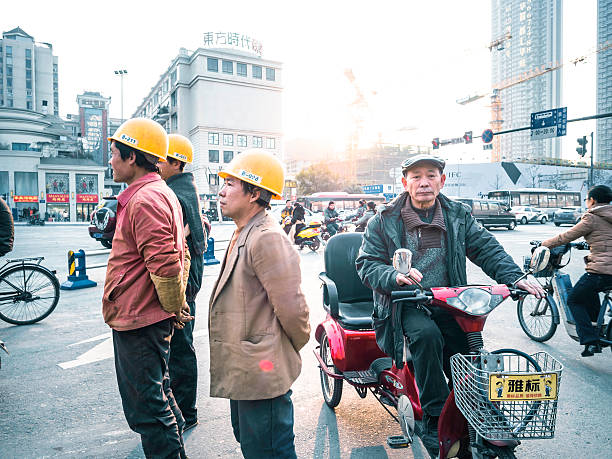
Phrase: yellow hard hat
pixel 179 147
pixel 258 167
pixel 143 134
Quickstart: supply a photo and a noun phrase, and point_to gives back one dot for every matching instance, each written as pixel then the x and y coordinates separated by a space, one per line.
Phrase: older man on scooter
pixel 441 234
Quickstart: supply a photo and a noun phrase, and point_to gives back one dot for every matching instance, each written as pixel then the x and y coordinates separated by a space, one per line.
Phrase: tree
pixel 317 177
pixel 532 174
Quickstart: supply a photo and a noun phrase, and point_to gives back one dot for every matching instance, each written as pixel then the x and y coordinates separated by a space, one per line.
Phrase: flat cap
pixel 413 161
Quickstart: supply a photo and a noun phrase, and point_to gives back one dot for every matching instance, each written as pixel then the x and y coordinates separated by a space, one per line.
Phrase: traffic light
pixel 435 143
pixel 467 137
pixel 582 141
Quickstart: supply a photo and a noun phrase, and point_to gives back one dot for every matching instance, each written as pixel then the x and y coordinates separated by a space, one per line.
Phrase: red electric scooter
pixel 498 397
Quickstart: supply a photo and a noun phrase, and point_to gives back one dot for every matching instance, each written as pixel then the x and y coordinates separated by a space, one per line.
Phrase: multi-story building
pixel 224 100
pixel 603 151
pixel 28 73
pixel 529 33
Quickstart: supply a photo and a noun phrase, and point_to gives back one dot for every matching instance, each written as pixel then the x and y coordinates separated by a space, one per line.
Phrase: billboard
pixel 86 188
pixel 93 129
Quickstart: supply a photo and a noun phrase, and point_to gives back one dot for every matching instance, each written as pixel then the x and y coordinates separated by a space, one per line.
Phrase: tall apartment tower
pixel 535 43
pixel 28 73
pixel 603 151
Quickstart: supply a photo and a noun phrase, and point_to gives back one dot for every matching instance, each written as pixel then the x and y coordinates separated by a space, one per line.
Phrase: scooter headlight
pixel 474 301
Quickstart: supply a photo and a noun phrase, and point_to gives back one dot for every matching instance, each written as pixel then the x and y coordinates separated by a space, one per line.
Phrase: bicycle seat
pixel 344 295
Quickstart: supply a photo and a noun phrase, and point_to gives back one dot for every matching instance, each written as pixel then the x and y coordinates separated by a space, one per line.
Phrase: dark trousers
pixel 141 363
pixel 433 340
pixel 583 301
pixel 264 428
pixel 184 369
pixel 332 228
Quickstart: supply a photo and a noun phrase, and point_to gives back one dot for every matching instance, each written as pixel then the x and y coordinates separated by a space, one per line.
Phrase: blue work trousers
pixel 583 301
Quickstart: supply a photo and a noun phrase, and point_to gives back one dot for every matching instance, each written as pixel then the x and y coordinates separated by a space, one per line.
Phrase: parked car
pixel 490 213
pixel 526 214
pixel 567 216
pixel 103 220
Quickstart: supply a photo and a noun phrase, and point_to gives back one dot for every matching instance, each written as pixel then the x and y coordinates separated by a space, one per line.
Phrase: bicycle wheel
pixel 28 293
pixel 536 318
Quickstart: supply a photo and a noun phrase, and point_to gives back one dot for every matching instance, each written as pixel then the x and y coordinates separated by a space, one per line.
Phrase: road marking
pixel 104 350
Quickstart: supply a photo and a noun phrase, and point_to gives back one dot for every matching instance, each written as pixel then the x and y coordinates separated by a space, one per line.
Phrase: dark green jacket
pixel 464 238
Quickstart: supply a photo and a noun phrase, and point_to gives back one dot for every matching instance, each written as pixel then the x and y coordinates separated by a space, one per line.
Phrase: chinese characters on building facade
pixel 233 39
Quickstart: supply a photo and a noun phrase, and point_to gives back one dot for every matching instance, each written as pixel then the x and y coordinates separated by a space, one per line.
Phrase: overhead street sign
pixel 549 123
pixel 372 189
pixel 487 136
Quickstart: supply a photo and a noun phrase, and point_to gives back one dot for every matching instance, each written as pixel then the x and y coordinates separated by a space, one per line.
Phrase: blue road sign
pixel 549 123
pixel 372 189
pixel 487 136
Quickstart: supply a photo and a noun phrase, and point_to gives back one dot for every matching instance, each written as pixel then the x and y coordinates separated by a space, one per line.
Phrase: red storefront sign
pixel 25 198
pixel 86 198
pixel 58 197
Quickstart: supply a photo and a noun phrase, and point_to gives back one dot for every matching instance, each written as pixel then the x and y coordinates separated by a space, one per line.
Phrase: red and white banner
pixel 86 198
pixel 25 198
pixel 58 197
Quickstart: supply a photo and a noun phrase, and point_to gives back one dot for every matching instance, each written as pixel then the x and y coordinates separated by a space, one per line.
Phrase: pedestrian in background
pixel 258 316
pixel 183 362
pixel 330 217
pixel 7 229
pixel 144 291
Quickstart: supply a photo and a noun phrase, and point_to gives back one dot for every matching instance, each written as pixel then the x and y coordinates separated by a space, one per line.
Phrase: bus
pixel 548 200
pixel 317 202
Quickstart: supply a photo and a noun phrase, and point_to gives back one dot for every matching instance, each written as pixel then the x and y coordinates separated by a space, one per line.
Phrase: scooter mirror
pixel 539 259
pixel 402 261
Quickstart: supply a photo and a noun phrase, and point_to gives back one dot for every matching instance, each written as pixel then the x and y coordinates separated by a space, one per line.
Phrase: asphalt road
pixel 59 397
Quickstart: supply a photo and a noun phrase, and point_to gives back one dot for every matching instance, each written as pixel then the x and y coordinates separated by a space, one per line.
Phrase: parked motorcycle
pixel 498 397
pixel 35 221
pixel 307 236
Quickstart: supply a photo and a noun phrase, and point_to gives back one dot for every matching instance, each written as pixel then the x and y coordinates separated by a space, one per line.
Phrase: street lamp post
pixel 121 73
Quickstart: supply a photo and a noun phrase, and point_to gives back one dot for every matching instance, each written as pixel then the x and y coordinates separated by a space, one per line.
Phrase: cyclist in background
pixel 583 300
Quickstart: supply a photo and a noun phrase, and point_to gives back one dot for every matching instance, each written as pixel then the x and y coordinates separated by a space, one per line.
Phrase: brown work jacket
pixel 596 228
pixel 258 317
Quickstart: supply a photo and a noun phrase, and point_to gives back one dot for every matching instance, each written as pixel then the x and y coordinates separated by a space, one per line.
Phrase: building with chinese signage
pixel 224 97
pixel 603 150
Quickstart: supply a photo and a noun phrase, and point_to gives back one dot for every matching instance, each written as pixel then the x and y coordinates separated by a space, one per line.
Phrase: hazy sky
pixel 412 59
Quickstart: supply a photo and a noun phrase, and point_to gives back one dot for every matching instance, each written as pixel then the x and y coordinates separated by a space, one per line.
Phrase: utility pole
pixel 121 73
pixel 591 169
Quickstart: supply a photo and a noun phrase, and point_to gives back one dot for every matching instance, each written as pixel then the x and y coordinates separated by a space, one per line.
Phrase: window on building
pixel 212 64
pixel 270 143
pixel 270 74
pixel 9 102
pixel 44 103
pixel 241 69
pixel 173 77
pixel 29 105
pixel 54 68
pixel 28 74
pixel 9 50
pixel 213 179
pixel 173 99
pixel 213 156
pixel 9 82
pixel 9 60
pixel 241 140
pixel 257 72
pixel 228 140
pixel 165 87
pixel 9 71
pixel 28 63
pixel 28 53
pixel 228 156
pixel 213 138
pixel 257 142
pixel 174 123
pixel 28 84
pixel 228 67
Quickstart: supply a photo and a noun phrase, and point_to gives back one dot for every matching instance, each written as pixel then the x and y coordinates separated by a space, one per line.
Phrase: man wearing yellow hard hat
pixel 144 291
pixel 258 316
pixel 183 363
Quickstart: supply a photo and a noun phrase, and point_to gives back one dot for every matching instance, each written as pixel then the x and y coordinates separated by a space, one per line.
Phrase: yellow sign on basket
pixel 509 387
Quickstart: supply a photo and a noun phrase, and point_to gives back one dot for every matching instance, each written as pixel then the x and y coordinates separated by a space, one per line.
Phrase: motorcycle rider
pixel 583 300
pixel 330 216
pixel 286 213
pixel 298 218
pixel 183 365
pixel 365 218
pixel 360 211
pixel 441 234
pixel 258 316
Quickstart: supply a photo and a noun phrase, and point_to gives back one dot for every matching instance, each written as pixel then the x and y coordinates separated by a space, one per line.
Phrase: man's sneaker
pixel 190 425
pixel 427 429
pixel 591 349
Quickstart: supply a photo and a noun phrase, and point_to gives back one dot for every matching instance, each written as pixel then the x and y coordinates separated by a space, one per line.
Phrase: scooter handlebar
pixel 411 295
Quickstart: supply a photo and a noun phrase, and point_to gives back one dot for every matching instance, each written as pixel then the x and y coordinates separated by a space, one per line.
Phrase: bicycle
pixel 29 292
pixel 539 317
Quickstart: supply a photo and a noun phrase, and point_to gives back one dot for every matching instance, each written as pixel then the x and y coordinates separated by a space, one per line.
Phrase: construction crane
pixel 496 108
